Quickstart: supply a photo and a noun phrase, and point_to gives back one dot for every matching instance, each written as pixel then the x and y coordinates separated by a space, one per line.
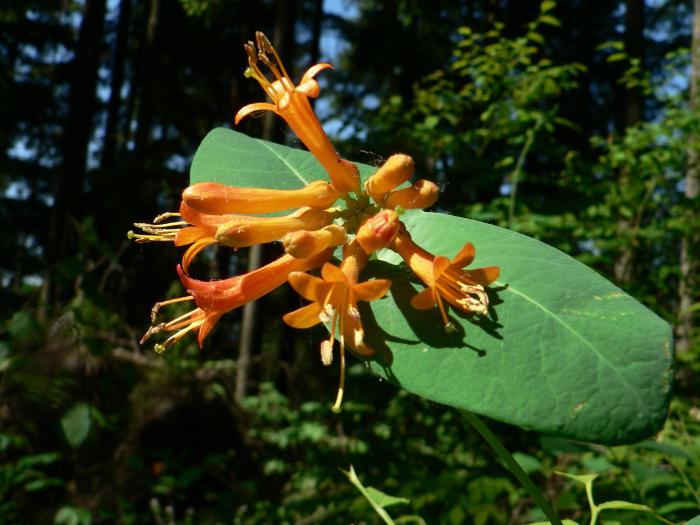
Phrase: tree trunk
pixel 283 40
pixel 631 116
pixel 147 79
pixel 77 133
pixel 689 243
pixel 113 106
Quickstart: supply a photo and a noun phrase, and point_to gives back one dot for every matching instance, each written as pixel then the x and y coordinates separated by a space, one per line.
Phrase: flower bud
pixel 422 194
pixel 217 199
pixel 396 170
pixel 378 231
pixel 241 231
pixel 303 244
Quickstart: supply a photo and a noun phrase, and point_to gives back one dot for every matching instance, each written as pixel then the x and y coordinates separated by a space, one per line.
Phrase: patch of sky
pixel 332 48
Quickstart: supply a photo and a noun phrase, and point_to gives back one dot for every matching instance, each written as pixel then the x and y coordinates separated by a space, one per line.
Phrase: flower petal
pixel 315 70
pixel 465 256
pixel 440 264
pixel 423 300
pixel 193 250
pixel 305 284
pixel 305 317
pixel 252 108
pixel 372 290
pixel 332 273
pixel 209 322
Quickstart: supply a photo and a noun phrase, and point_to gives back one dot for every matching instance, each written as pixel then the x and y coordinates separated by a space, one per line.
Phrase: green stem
pixel 515 175
pixel 512 465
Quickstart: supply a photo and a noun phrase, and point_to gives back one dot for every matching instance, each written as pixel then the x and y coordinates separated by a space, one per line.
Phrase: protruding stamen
pixel 158 305
pixel 141 238
pixel 166 215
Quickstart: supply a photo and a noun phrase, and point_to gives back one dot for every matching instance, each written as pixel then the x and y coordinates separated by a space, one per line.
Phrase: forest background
pixel 575 123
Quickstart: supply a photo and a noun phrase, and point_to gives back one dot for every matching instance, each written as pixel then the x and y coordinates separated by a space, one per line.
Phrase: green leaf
pixel 236 159
pixel 616 57
pixel 694 521
pixel 76 424
pixel 384 500
pixel 528 463
pixel 369 496
pixel 550 20
pixel 68 515
pixel 547 5
pixel 565 353
pixel 581 478
pixel 624 505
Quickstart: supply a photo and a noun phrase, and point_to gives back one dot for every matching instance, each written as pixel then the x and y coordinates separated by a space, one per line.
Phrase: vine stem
pixel 515 174
pixel 512 465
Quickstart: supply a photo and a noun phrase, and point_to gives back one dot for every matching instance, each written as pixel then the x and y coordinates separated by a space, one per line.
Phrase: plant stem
pixel 515 175
pixel 512 465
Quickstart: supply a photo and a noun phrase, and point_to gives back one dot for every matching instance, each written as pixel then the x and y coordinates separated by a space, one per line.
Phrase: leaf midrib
pixel 286 163
pixel 558 319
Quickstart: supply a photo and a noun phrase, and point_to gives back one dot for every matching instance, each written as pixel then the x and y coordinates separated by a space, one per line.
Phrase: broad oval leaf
pixel 565 353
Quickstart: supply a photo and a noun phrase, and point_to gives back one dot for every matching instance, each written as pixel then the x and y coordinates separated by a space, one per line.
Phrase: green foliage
pixel 72 516
pixel 76 424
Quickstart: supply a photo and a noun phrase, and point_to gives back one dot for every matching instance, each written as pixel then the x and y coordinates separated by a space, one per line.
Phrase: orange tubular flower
pixel 218 199
pixel 395 171
pixel 215 298
pixel 422 194
pixel 239 231
pixel 446 279
pixel 292 104
pixel 302 244
pixel 335 298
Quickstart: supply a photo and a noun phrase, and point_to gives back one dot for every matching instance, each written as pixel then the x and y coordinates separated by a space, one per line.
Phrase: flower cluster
pixel 212 213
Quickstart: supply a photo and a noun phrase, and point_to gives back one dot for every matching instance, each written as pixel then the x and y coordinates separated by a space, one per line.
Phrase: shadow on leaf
pixel 427 325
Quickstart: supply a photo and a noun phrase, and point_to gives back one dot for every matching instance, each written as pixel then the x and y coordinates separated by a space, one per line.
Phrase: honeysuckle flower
pixel 334 299
pixel 420 195
pixel 206 216
pixel 215 298
pixel 218 199
pixel 446 279
pixel 239 231
pixel 378 231
pixel 302 243
pixel 292 104
pixel 395 171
